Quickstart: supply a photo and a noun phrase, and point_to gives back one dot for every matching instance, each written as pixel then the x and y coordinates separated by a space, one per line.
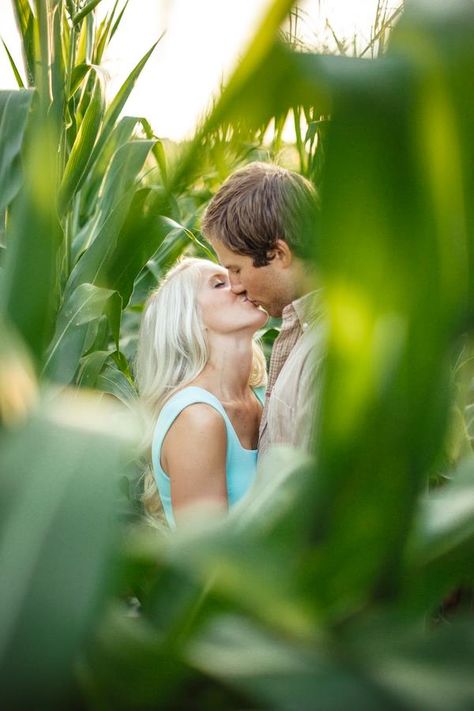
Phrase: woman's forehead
pixel 208 270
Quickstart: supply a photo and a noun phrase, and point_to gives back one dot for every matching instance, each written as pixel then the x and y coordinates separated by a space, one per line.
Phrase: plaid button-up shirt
pixel 289 412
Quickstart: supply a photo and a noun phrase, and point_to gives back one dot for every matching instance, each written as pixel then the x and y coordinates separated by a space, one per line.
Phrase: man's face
pixel 265 286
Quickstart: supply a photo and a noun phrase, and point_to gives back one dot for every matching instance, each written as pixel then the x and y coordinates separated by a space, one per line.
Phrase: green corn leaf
pixel 26 23
pixel 58 537
pixel 86 305
pixel 158 150
pixel 70 8
pixel 113 380
pixel 14 110
pixel 441 547
pixel 97 335
pixel 90 368
pixel 119 101
pixel 18 78
pixel 107 371
pixel 411 666
pixel 279 672
pixel 24 14
pixel 35 242
pixel 82 53
pixel 82 148
pixel 86 10
pixel 272 597
pixel 100 42
pixel 79 73
pixel 119 19
pixel 66 38
pixel 117 195
pixel 58 69
pixel 144 230
pixel 103 34
pixel 121 134
pixel 42 53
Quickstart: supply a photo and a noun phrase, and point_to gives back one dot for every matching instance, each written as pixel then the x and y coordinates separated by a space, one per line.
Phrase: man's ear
pixel 281 254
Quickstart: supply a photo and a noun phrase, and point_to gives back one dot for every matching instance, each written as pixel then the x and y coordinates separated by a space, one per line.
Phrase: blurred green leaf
pixel 441 547
pixel 59 475
pixel 14 110
pixel 35 242
pixel 417 668
pixel 18 385
pixel 280 673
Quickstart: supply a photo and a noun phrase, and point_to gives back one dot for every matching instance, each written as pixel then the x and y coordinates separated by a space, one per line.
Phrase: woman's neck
pixel 227 373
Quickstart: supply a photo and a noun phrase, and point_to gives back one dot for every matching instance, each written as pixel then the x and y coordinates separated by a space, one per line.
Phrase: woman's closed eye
pixel 219 284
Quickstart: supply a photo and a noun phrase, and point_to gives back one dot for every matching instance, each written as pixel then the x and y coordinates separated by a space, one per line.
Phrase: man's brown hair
pixel 259 204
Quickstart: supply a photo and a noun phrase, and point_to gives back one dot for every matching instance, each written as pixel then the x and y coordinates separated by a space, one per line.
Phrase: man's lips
pixel 246 298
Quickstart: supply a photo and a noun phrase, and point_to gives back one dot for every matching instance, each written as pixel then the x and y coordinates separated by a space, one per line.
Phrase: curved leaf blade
pixel 80 155
pixel 87 304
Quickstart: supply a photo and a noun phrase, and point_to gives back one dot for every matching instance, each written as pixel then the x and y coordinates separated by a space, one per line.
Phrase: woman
pixel 196 366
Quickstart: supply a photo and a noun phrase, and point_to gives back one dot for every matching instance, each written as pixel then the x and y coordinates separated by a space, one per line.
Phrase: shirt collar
pixel 306 309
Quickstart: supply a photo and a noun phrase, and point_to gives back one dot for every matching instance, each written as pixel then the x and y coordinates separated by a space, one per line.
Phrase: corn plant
pixel 84 219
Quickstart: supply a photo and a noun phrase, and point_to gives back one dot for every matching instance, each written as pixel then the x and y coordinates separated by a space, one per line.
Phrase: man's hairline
pixel 212 239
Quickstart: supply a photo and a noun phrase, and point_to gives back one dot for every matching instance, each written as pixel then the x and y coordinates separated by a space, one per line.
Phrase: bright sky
pixel 202 43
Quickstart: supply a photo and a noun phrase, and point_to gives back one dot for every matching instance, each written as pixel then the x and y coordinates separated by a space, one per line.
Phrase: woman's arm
pixel 194 457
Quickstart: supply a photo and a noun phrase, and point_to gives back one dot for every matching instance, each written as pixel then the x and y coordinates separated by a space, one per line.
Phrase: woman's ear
pixel 281 254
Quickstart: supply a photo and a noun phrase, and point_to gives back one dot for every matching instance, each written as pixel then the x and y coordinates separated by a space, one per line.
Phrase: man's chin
pixel 273 311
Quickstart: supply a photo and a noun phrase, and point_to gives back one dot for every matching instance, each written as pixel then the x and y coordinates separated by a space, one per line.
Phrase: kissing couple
pixel 201 374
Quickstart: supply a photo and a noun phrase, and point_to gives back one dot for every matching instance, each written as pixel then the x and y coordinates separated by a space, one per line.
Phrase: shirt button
pixel 305 326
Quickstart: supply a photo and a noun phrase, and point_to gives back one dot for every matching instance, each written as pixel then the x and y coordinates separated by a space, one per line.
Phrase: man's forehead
pixel 227 257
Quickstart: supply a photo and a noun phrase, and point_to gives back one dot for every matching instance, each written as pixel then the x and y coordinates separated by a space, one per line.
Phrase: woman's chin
pixel 265 316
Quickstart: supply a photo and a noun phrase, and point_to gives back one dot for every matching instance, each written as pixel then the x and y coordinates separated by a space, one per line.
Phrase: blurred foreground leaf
pixel 14 108
pixel 57 538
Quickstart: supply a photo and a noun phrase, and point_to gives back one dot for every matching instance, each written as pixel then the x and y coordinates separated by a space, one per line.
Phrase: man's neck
pixel 305 279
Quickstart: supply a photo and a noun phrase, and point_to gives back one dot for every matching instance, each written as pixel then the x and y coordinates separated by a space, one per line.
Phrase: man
pixel 260 224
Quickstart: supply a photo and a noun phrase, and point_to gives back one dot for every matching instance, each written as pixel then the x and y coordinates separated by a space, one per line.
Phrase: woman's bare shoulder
pixel 196 440
pixel 199 415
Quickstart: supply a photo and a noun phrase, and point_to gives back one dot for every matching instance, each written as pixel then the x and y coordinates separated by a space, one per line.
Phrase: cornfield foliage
pixel 347 580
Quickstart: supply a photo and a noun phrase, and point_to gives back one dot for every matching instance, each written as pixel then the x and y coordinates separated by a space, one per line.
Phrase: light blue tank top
pixel 241 463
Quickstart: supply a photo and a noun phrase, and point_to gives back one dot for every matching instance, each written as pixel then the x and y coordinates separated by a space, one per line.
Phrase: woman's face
pixel 223 311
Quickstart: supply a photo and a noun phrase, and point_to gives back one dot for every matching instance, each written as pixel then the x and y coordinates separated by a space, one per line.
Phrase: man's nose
pixel 235 285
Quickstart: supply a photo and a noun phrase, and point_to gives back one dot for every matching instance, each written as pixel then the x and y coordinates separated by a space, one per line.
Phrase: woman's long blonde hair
pixel 173 350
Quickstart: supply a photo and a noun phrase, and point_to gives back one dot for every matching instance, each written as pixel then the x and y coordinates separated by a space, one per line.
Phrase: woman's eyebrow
pixel 217 275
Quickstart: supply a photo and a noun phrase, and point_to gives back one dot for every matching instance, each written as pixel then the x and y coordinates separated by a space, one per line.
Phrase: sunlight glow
pixel 202 44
